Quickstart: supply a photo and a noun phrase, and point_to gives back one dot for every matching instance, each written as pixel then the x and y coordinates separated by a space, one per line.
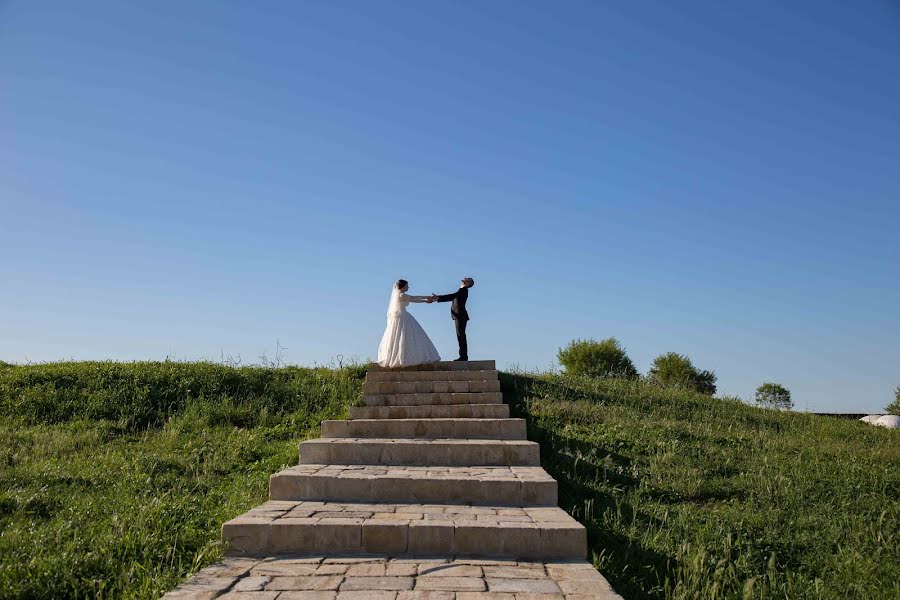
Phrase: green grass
pixel 115 478
pixel 687 496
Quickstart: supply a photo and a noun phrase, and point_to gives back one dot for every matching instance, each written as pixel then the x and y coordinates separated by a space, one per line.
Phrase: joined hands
pixel 432 298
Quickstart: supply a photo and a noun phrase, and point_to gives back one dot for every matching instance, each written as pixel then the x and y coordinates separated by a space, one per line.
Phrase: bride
pixel 405 343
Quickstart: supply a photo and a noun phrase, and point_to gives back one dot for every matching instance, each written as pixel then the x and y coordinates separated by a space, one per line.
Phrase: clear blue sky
pixel 198 179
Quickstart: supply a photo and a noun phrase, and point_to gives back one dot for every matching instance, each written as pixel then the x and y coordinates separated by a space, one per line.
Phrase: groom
pixel 458 313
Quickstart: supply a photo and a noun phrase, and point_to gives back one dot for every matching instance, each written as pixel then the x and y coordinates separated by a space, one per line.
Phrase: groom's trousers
pixel 461 338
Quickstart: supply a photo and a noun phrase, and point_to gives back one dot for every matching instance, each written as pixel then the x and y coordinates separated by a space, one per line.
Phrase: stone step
pixel 442 452
pixel 348 575
pixel 507 486
pixel 430 387
pixel 279 527
pixel 436 398
pixel 483 429
pixel 431 375
pixel 435 411
pixel 469 365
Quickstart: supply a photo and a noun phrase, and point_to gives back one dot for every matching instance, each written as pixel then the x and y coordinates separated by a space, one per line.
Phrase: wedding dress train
pixel 405 343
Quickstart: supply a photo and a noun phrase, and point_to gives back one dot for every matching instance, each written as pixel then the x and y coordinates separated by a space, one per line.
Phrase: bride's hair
pixel 401 283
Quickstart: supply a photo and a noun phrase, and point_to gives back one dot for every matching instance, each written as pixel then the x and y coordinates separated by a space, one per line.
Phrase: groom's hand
pixel 433 298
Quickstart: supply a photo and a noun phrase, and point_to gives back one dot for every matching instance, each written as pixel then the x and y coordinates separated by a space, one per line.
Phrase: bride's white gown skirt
pixel 405 343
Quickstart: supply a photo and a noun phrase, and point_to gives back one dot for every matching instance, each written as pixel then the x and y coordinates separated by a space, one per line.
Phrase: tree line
pixel 608 359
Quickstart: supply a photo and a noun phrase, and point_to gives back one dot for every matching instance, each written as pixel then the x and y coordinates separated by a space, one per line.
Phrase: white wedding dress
pixel 405 343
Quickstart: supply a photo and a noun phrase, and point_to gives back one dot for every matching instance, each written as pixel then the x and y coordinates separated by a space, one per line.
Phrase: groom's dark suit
pixel 459 314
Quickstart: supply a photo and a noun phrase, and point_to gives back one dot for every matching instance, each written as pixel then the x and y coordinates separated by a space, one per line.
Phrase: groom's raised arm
pixel 448 297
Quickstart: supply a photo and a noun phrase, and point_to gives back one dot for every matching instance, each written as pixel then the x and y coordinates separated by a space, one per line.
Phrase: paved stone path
pixel 428 492
pixel 330 577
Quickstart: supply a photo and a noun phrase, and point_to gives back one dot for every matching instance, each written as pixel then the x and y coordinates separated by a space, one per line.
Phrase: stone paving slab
pixel 412 375
pixel 309 526
pixel 434 428
pixel 436 411
pixel 522 486
pixel 394 577
pixel 422 387
pixel 444 365
pixel 433 398
pixel 415 452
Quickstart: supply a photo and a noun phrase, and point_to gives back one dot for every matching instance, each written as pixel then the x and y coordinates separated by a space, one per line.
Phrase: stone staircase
pixel 430 470
pixel 448 472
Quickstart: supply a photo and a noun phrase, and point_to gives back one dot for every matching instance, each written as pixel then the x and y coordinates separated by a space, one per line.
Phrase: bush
pixel 774 395
pixel 894 407
pixel 606 358
pixel 677 371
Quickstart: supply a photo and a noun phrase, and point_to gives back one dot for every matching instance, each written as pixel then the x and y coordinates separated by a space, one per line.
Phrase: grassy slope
pixel 686 496
pixel 115 478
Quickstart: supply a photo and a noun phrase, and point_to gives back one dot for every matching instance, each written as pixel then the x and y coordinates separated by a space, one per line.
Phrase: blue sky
pixel 198 180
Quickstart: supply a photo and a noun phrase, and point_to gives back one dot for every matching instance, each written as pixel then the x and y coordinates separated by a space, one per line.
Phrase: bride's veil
pixel 394 306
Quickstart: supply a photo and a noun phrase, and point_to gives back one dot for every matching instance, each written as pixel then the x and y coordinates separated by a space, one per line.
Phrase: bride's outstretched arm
pixel 412 298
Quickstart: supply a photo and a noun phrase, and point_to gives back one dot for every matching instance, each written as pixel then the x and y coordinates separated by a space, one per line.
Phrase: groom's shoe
pixel 461 359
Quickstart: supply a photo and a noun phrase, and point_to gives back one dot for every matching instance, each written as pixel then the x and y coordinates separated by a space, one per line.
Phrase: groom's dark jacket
pixel 458 308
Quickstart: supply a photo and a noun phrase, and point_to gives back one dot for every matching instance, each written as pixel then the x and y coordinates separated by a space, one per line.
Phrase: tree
pixel 606 358
pixel 894 407
pixel 774 395
pixel 676 370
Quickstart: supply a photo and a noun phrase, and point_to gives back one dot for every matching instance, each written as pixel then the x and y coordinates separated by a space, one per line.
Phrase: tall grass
pixel 687 496
pixel 145 394
pixel 116 477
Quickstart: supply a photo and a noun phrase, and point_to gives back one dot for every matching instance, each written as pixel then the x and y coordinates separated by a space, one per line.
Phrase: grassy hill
pixel 115 479
pixel 687 496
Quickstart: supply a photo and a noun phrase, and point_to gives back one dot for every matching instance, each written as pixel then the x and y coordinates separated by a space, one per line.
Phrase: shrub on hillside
pixel 606 358
pixel 894 407
pixel 774 395
pixel 676 370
